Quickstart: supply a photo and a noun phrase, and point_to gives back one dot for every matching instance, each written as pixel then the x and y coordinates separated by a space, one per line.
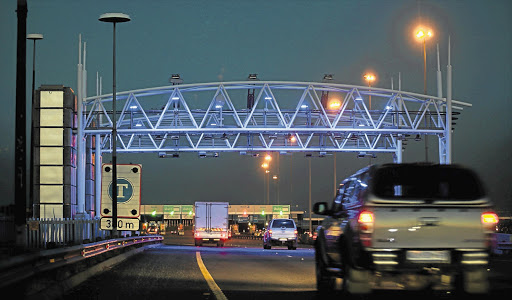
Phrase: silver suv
pixel 414 226
pixel 280 232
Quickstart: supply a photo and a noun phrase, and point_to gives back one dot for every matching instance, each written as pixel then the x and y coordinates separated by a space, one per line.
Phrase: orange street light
pixel 264 165
pixel 335 104
pixel 423 34
pixel 268 157
pixel 370 78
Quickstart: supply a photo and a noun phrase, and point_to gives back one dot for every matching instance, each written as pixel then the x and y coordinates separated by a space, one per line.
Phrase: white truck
pixel 211 223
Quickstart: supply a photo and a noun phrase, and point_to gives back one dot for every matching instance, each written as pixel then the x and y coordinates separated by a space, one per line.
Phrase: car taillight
pixel 270 232
pixel 489 218
pixel 366 220
pixel 295 232
pixel 489 221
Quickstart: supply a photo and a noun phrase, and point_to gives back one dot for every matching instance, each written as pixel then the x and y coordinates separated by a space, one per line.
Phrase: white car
pixel 280 232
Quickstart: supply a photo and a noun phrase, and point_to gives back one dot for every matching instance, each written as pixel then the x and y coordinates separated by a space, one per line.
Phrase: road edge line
pixel 219 295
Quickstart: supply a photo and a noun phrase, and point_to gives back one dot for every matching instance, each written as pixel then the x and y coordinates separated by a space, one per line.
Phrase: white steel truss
pixel 284 117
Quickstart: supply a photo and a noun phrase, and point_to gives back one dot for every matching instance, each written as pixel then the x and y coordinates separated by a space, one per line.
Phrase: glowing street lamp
pixel 423 34
pixel 370 78
pixel 334 104
pixel 268 157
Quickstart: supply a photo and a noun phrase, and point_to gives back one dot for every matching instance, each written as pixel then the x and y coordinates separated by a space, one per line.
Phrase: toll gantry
pixel 267 116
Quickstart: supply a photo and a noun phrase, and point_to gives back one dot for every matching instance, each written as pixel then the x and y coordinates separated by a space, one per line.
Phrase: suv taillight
pixel 489 221
pixel 270 232
pixel 489 218
pixel 366 220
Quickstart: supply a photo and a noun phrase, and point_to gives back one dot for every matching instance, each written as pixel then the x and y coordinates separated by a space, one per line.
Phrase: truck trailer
pixel 211 223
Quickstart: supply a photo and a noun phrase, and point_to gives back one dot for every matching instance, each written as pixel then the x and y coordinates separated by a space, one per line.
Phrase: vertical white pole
pixel 442 140
pixel 398 153
pixel 80 151
pixel 97 160
pixel 97 169
pixel 448 133
pixel 439 76
pixel 81 130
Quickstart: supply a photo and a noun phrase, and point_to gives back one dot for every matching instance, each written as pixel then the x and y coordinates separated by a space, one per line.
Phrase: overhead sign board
pixel 128 190
pixel 172 211
pixel 187 211
pixel 123 224
pixel 280 209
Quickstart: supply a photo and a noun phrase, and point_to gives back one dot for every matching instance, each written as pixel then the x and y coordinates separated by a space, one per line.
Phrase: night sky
pixel 281 40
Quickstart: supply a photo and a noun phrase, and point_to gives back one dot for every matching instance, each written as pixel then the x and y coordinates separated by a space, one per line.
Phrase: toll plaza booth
pixel 174 218
pixel 243 219
pixel 252 219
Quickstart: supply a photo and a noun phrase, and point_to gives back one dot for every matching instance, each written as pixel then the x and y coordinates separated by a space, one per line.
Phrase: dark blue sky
pixel 209 41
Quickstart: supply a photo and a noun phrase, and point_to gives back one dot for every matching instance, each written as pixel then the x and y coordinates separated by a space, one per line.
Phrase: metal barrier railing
pixel 51 233
pixel 27 265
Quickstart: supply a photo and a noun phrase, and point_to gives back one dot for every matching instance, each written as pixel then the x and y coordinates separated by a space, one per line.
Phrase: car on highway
pixel 414 226
pixel 280 232
pixel 153 229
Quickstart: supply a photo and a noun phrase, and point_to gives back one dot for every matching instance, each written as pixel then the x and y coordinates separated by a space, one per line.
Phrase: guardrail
pixel 247 237
pixel 51 233
pixel 21 267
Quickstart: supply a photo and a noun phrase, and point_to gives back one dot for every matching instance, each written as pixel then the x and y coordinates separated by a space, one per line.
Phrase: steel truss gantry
pixel 282 116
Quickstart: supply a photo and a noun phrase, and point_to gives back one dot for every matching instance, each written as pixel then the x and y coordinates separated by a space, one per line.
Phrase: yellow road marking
pixel 219 295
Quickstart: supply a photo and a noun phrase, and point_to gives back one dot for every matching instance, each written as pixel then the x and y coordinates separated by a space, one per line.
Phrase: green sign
pixel 187 209
pixel 280 209
pixel 276 209
pixel 172 209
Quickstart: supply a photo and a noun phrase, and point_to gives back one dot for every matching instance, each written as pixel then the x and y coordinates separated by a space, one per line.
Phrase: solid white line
pixel 219 295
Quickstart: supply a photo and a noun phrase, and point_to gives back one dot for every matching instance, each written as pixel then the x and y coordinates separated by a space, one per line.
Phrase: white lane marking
pixel 219 295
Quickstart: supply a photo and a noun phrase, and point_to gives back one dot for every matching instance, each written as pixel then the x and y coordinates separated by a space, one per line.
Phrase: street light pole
pixel 114 18
pixel 423 35
pixel 34 37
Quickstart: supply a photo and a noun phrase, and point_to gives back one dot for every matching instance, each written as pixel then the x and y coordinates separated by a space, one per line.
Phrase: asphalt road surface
pixel 240 270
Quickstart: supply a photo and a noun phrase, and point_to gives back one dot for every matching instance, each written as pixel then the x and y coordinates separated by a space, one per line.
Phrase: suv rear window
pixel 282 223
pixel 437 182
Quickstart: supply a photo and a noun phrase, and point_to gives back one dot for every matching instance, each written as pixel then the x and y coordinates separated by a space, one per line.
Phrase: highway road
pixel 242 269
